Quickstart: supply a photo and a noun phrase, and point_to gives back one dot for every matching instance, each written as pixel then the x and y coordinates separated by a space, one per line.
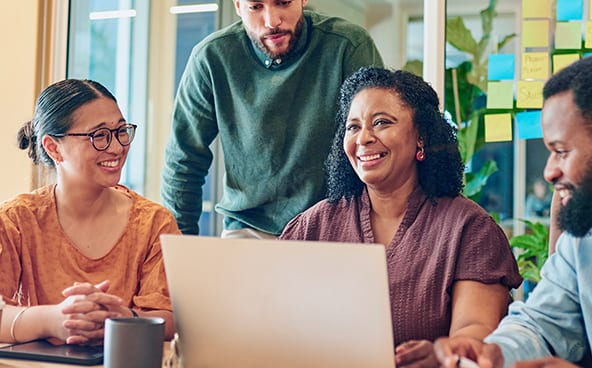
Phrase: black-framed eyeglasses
pixel 102 137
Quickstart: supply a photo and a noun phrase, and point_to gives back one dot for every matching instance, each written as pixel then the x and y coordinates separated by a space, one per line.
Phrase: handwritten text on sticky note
pixel 529 94
pixel 535 65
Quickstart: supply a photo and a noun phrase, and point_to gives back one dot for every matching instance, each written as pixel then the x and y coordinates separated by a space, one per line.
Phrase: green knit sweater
pixel 275 120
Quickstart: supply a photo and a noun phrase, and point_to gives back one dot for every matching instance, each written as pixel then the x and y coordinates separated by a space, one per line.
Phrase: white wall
pixel 18 37
pixel 383 19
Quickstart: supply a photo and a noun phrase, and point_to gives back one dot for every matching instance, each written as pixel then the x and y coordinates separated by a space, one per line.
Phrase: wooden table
pixel 21 363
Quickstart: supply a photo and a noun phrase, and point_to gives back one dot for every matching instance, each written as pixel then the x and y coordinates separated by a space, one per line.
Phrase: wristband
pixel 13 324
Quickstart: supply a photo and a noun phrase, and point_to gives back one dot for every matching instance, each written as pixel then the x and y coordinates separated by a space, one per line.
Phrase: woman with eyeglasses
pixel 86 248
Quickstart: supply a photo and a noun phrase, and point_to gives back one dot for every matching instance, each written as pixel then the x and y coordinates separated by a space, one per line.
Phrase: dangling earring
pixel 420 155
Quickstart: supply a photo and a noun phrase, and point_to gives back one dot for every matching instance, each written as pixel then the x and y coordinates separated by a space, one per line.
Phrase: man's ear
pixel 237 7
pixel 52 147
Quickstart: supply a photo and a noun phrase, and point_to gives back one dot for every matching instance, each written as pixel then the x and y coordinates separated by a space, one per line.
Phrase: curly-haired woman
pixel 395 178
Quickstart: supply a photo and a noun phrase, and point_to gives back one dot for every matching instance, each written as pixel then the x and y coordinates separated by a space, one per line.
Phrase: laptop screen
pixel 273 303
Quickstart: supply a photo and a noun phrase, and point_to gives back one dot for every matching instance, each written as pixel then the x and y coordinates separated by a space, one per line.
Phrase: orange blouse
pixel 38 260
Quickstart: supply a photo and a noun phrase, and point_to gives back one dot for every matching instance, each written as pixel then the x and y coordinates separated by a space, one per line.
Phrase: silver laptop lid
pixel 271 303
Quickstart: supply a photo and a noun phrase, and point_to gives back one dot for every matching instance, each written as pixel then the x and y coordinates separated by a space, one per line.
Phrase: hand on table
pixel 85 309
pixel 448 350
pixel 416 354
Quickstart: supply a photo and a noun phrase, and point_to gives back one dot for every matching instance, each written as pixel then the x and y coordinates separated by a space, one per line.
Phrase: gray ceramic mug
pixel 134 342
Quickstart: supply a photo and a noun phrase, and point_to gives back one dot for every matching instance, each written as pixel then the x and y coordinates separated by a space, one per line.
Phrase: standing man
pixel 554 326
pixel 268 86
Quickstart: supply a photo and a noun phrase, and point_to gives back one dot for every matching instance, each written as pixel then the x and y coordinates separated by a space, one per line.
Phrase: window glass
pixel 191 29
pixel 538 191
pixel 497 195
pixel 107 42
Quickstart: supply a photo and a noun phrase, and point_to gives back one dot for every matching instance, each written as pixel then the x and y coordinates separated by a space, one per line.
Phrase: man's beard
pixel 295 36
pixel 576 216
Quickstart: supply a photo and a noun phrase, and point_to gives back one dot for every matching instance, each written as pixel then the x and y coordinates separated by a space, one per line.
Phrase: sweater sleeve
pixel 187 154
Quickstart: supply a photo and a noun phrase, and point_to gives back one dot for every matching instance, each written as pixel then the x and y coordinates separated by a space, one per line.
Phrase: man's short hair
pixel 576 77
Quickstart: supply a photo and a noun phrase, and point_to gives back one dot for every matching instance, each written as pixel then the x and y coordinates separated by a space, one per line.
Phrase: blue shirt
pixel 557 317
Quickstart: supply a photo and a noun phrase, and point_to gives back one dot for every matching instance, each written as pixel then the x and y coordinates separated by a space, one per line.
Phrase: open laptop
pixel 279 304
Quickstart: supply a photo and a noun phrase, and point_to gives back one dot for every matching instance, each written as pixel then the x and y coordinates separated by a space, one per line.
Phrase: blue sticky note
pixel 570 9
pixel 529 125
pixel 501 67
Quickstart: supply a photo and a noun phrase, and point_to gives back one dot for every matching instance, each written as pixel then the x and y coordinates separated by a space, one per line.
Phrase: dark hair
pixel 440 174
pixel 53 114
pixel 576 77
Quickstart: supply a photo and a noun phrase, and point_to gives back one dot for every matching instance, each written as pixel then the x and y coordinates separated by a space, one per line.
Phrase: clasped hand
pixel 84 311
pixel 416 354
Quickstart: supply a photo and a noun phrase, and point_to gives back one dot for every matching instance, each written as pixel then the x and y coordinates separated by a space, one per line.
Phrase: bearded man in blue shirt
pixel 554 327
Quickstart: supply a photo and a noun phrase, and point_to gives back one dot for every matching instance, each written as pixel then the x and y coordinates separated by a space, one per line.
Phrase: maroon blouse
pixel 435 245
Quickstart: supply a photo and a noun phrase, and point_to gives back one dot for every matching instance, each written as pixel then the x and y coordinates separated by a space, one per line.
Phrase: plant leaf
pixel 487 16
pixel 476 181
pixel 502 43
pixel 534 247
pixel 467 92
pixel 459 36
pixel 414 66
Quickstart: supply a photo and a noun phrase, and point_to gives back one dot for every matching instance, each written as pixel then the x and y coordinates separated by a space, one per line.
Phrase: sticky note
pixel 501 67
pixel 529 94
pixel 588 43
pixel 535 33
pixel 529 125
pixel 561 61
pixel 536 9
pixel 498 127
pixel 570 9
pixel 568 35
pixel 500 95
pixel 535 65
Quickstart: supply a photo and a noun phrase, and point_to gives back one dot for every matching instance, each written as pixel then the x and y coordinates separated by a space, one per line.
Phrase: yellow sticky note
pixel 500 95
pixel 588 35
pixel 536 9
pixel 535 33
pixel 535 65
pixel 568 35
pixel 590 7
pixel 498 127
pixel 529 94
pixel 561 61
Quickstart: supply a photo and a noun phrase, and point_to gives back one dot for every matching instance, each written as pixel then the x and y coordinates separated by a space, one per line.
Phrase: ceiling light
pixel 112 14
pixel 198 8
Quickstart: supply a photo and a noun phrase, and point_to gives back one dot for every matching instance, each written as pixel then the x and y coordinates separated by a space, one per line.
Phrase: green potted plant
pixel 533 250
